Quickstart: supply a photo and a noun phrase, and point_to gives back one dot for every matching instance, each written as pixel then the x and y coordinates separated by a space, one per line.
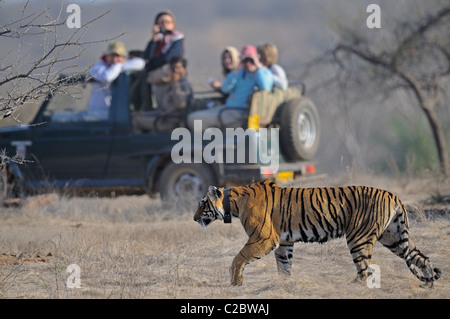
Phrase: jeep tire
pixel 185 181
pixel 299 129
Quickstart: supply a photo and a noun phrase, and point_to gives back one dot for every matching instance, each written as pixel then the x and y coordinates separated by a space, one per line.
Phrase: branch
pixel 392 63
pixel 413 84
pixel 27 79
pixel 420 31
pixel 434 92
pixel 446 53
pixel 366 56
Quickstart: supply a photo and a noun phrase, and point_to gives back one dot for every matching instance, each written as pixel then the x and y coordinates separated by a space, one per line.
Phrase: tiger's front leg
pixel 237 267
pixel 251 251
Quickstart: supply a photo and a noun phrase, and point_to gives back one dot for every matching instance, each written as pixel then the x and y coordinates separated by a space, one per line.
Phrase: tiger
pixel 276 217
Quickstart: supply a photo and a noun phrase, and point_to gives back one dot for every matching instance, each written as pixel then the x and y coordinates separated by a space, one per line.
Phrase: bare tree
pixel 43 47
pixel 415 57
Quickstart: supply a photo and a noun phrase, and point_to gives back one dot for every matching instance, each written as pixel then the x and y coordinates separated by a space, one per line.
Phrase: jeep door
pixel 64 146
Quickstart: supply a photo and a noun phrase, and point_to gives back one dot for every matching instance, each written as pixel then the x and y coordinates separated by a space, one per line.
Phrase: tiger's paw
pixel 428 284
pixel 237 281
pixel 358 280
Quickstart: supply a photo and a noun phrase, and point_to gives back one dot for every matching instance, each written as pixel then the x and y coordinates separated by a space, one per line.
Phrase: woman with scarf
pixel 166 43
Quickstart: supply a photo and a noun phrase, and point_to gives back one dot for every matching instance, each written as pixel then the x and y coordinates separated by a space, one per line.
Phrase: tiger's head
pixel 210 207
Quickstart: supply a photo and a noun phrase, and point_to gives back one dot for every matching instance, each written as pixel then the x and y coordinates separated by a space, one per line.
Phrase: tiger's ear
pixel 212 190
pixel 214 193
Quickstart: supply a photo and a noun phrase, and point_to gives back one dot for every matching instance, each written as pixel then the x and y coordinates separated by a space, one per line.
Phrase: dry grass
pixel 133 247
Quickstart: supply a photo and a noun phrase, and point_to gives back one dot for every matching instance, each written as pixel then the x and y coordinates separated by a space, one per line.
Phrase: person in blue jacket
pixel 239 84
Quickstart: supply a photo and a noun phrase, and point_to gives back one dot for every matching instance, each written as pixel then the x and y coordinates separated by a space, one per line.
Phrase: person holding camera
pixel 177 96
pixel 239 84
pixel 174 101
pixel 166 43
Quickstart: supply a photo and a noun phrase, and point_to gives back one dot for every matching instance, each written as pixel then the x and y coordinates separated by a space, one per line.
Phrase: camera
pixel 163 30
pixel 248 59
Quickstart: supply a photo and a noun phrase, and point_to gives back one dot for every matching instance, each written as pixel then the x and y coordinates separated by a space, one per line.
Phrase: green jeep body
pixel 108 155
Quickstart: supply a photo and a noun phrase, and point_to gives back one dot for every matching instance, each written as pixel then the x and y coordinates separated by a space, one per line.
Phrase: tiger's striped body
pixel 276 218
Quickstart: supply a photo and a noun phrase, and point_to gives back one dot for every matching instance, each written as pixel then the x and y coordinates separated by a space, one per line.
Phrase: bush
pixel 410 145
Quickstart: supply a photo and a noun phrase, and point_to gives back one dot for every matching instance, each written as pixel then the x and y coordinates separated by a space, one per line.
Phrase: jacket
pixel 162 51
pixel 242 84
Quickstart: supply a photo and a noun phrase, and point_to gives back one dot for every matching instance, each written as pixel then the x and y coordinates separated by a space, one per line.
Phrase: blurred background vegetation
pixel 365 126
pixel 411 143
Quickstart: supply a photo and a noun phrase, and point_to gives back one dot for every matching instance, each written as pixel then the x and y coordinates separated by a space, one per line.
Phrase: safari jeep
pixel 53 152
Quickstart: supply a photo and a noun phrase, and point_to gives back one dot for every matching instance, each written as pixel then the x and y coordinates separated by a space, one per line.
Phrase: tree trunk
pixel 427 105
pixel 439 137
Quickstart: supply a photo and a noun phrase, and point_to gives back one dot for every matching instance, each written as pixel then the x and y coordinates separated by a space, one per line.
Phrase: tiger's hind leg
pixel 283 257
pixel 396 238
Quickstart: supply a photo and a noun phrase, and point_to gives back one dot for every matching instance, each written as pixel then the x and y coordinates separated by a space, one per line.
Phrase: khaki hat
pixel 117 47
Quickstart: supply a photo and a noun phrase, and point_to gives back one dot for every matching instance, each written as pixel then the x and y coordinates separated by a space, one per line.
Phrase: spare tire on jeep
pixel 299 129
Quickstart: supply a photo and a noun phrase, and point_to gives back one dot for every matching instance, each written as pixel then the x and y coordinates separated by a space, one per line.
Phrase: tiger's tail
pixel 396 238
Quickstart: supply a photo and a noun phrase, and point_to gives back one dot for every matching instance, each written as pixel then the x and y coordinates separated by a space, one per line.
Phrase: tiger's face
pixel 210 207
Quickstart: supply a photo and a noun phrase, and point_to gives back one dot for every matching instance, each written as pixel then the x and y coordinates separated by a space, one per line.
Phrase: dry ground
pixel 134 247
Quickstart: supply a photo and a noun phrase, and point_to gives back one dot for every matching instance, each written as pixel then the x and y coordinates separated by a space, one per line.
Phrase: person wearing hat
pixel 250 74
pixel 239 84
pixel 111 64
